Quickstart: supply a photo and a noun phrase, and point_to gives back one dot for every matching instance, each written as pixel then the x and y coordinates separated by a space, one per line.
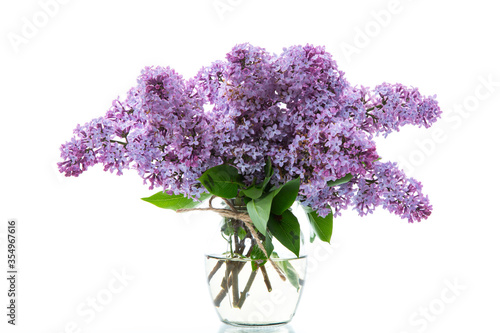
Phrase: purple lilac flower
pixel 93 143
pixel 295 108
pixel 388 186
pixel 392 106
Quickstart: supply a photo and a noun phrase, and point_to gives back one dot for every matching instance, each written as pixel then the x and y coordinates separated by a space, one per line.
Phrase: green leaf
pixel 246 200
pixel 264 183
pixel 322 226
pixel 241 233
pixel 285 197
pixel 257 253
pixel 174 201
pixel 269 172
pixel 290 272
pixel 259 211
pixel 268 169
pixel 268 244
pixel 286 229
pixel 253 192
pixel 227 229
pixel 340 181
pixel 222 181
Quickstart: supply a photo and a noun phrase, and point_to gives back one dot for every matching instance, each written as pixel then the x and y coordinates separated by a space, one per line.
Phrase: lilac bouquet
pixel 260 131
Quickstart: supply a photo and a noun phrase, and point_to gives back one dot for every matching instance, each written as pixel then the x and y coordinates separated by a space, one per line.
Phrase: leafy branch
pixel 260 212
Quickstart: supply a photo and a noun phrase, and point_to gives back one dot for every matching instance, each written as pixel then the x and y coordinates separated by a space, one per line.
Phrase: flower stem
pixel 266 278
pixel 245 218
pixel 235 271
pixel 215 269
pixel 247 289
pixel 235 285
pixel 227 280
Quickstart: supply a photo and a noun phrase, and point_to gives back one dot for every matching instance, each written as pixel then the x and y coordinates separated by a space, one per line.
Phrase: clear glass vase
pixel 251 282
pixel 246 293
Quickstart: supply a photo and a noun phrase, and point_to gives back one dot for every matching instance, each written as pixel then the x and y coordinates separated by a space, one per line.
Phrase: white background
pixel 379 274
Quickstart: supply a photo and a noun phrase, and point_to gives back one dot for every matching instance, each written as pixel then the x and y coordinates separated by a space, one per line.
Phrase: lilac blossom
pixel 296 109
pixel 388 186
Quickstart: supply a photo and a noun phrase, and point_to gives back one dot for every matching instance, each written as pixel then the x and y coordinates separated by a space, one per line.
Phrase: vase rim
pixel 222 257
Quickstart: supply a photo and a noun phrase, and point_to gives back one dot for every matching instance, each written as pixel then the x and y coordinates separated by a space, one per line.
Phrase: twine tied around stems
pixel 233 213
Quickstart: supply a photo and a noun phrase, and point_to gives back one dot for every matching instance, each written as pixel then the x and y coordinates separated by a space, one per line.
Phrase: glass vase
pixel 249 287
pixel 246 293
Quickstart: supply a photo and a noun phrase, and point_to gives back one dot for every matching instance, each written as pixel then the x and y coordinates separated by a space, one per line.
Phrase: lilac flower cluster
pixel 296 109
